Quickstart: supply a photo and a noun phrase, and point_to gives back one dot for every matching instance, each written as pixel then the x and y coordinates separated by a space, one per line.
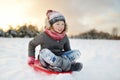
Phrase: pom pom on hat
pixel 54 16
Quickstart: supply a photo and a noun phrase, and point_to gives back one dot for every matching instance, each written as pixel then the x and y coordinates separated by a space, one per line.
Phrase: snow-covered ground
pixel 101 60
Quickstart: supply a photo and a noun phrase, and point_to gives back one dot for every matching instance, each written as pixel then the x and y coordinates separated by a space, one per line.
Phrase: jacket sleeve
pixel 67 45
pixel 33 44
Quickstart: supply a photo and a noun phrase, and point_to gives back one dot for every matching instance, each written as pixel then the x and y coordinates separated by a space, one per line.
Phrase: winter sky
pixel 81 15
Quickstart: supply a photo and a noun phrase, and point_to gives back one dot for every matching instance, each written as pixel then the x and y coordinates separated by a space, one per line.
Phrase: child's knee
pixel 72 55
pixel 45 50
pixel 50 57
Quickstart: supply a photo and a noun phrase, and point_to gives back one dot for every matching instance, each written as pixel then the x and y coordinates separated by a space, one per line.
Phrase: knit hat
pixel 54 16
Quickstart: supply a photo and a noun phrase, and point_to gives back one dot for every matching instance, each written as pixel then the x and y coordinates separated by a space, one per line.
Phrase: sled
pixel 37 67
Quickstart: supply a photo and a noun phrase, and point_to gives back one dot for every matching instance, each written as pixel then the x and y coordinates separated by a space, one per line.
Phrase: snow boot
pixel 76 66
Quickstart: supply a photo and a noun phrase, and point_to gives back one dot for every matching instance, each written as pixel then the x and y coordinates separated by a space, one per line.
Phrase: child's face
pixel 59 26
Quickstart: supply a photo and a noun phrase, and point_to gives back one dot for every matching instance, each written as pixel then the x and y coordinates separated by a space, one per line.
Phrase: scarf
pixel 55 35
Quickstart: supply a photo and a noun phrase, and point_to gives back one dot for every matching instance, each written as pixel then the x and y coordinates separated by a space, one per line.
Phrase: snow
pixel 101 60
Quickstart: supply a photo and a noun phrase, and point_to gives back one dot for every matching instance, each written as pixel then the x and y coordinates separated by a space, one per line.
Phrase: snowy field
pixel 101 60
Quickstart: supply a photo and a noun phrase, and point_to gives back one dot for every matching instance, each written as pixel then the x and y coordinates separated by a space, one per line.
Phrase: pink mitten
pixel 31 60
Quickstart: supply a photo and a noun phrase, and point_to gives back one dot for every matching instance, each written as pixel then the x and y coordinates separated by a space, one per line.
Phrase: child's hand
pixel 31 60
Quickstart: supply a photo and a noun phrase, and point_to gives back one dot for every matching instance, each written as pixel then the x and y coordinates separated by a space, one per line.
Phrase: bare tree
pixel 115 32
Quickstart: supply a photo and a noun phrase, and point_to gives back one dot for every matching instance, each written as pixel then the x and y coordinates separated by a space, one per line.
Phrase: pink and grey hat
pixel 54 16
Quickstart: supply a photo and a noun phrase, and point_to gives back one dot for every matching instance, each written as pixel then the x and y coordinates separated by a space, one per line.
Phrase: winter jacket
pixel 45 41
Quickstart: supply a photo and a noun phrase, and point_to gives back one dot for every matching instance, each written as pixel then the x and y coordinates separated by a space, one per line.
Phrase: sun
pixel 14 18
pixel 8 18
pixel 12 14
pixel 7 21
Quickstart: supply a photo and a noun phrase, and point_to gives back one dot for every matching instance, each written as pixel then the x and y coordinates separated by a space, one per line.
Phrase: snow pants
pixel 64 61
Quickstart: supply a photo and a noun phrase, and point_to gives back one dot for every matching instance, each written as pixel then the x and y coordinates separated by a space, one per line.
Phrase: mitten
pixel 31 60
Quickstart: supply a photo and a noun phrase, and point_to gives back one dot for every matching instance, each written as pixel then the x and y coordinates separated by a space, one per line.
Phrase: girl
pixel 55 53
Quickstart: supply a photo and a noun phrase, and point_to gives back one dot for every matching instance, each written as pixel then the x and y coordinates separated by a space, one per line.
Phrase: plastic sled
pixel 37 67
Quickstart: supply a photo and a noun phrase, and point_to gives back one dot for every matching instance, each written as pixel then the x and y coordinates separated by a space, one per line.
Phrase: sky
pixel 81 15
